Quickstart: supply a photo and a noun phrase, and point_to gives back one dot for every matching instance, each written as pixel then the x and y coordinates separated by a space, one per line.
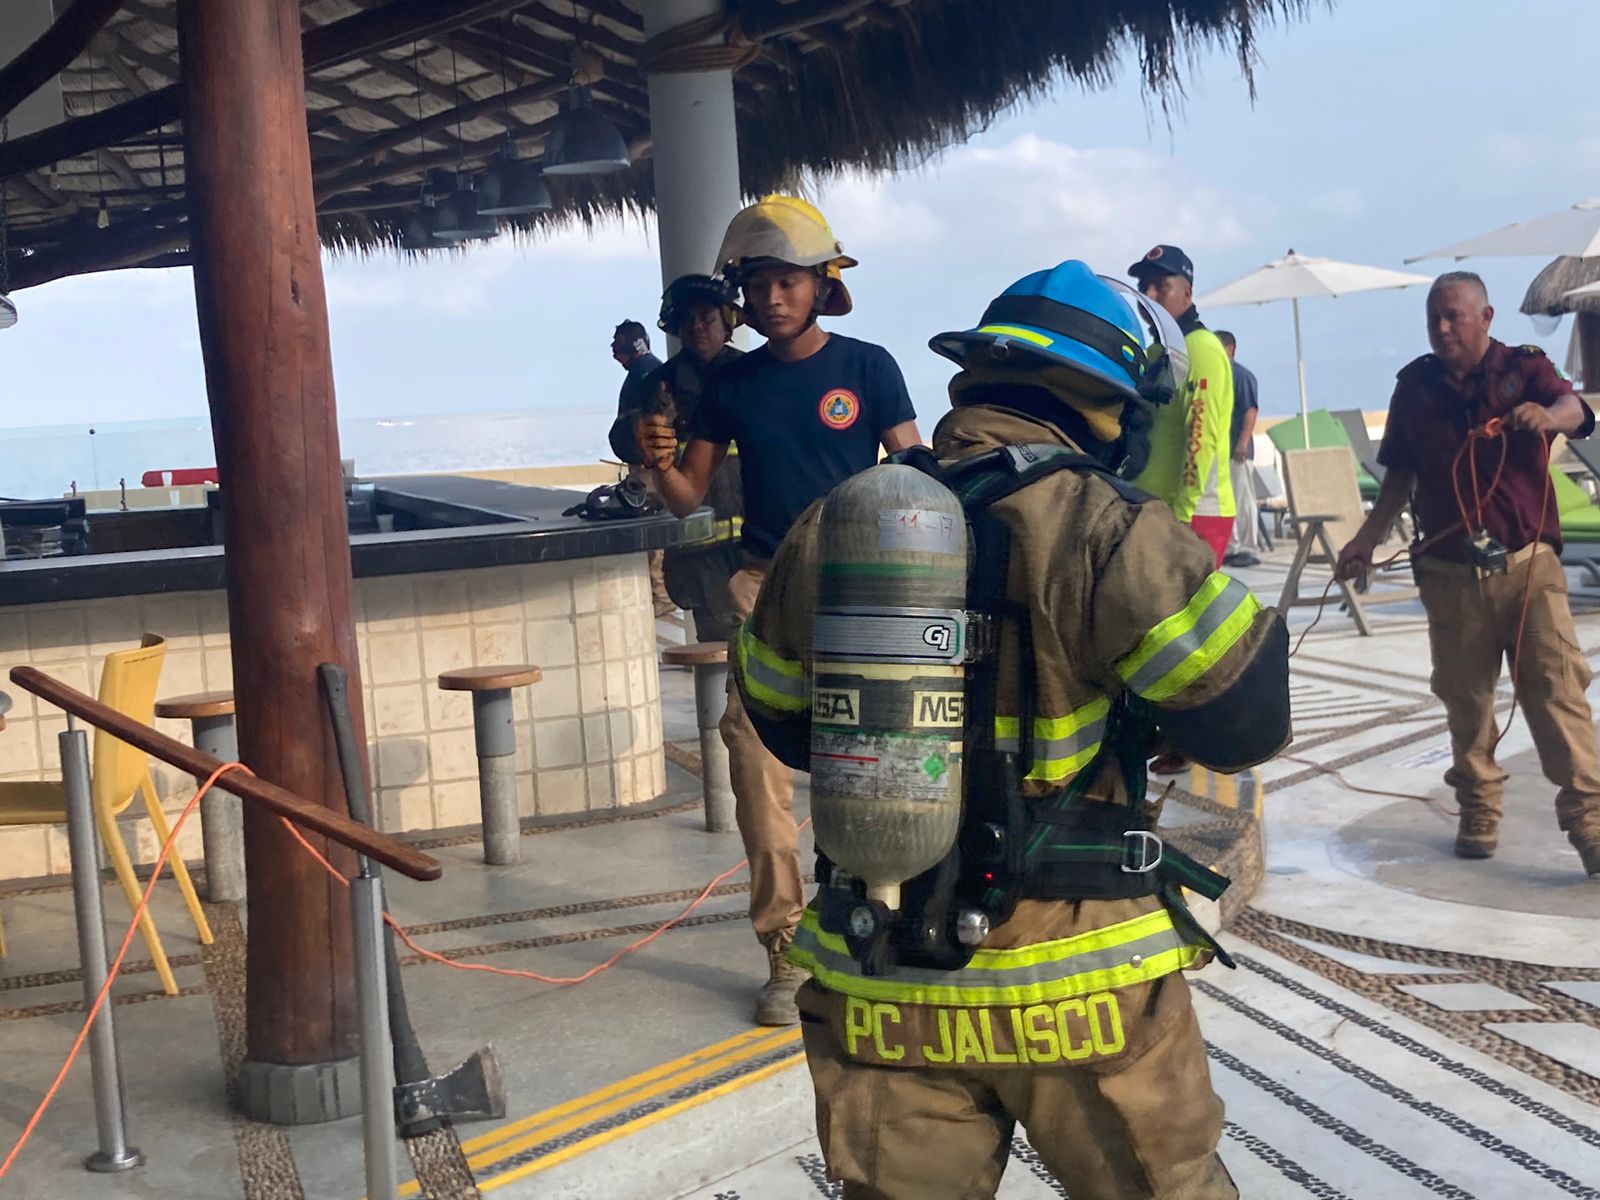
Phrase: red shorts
pixel 1214 532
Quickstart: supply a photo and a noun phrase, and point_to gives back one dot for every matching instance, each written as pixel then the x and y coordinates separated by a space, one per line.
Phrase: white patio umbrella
pixel 1573 233
pixel 1295 277
pixel 1566 236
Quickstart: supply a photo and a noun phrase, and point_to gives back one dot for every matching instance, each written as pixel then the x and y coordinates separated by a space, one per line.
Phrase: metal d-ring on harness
pixel 1012 846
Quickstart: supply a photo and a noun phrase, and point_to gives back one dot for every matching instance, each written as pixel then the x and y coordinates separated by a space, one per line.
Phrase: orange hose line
pixel 432 956
pixel 116 964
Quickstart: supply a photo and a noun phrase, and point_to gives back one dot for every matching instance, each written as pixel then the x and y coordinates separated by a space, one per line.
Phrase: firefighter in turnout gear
pixel 1033 976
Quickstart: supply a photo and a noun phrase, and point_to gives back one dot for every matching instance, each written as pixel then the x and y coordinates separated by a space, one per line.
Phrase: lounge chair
pixel 1270 498
pixel 1326 432
pixel 1354 425
pixel 1326 510
pixel 1587 452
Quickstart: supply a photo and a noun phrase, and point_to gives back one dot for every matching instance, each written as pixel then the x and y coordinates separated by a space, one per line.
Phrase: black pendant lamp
pixel 458 219
pixel 420 232
pixel 513 187
pixel 584 141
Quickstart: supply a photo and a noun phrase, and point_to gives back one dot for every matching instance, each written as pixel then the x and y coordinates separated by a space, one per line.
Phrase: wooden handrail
pixel 391 853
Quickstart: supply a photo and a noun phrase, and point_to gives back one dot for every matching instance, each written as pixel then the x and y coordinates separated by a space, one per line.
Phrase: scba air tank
pixel 888 644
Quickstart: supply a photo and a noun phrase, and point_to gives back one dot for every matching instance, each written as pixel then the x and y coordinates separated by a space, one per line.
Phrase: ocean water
pixel 48 460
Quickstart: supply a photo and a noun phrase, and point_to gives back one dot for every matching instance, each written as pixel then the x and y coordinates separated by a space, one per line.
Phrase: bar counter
pixel 479 573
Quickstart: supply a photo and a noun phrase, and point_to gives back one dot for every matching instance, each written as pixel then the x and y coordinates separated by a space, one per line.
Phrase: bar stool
pixel 709 661
pixel 494 730
pixel 210 717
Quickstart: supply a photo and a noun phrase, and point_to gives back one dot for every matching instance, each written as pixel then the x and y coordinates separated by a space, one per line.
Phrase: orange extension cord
pixel 431 956
pixel 1471 519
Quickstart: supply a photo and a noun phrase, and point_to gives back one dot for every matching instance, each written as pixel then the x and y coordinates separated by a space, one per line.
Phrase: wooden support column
pixel 264 333
pixel 1589 350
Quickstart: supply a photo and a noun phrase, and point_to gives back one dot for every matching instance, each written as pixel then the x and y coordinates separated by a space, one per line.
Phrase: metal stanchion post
pixel 377 1061
pixel 106 1067
pixel 221 814
pixel 710 701
pixel 495 731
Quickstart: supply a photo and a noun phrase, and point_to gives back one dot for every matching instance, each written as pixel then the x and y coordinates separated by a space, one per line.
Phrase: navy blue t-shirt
pixel 802 427
pixel 1245 397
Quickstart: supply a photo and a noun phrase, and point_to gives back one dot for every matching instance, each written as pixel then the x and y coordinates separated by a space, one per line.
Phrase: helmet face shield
pixel 1166 353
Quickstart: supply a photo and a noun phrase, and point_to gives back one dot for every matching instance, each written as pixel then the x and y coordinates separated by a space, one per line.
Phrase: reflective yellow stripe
pixel 1027 335
pixel 725 530
pixel 1135 951
pixel 1189 643
pixel 771 680
pixel 1062 746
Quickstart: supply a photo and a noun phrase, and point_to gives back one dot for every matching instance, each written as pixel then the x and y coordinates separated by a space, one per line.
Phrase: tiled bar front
pixel 588 734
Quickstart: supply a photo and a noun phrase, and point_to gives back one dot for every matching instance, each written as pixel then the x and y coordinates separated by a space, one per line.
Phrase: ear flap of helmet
pixel 837 302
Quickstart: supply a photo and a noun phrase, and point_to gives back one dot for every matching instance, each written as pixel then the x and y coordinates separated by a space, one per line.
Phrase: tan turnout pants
pixel 1472 627
pixel 1143 1128
pixel 763 791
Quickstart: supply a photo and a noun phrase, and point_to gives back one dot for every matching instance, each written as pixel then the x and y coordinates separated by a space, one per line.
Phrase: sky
pixel 1379 130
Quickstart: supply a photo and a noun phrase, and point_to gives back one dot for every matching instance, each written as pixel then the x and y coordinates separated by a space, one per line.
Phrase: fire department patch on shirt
pixel 839 408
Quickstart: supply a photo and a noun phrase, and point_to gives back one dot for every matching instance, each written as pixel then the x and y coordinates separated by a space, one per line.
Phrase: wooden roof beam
pixel 766 19
pixel 621 80
pixel 99 250
pixel 618 13
pixel 119 167
pixel 368 32
pixel 334 180
pixel 68 36
pixel 400 69
pixel 111 52
pixel 336 91
pixel 370 147
pixel 595 37
pixel 40 193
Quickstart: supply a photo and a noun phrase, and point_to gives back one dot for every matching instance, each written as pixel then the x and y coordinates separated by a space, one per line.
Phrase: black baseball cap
pixel 1163 260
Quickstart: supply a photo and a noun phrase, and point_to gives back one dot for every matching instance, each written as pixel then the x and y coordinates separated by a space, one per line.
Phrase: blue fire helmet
pixel 1118 344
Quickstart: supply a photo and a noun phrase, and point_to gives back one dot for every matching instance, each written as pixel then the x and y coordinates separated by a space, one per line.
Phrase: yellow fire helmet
pixel 790 230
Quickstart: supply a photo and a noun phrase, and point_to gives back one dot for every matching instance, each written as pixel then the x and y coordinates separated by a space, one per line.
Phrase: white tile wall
pixel 588 734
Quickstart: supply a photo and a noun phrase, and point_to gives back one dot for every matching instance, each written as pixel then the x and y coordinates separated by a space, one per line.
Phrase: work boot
pixel 1589 851
pixel 775 1001
pixel 1477 834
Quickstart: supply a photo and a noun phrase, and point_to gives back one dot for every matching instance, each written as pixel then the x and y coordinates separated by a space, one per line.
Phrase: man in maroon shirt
pixel 1486 551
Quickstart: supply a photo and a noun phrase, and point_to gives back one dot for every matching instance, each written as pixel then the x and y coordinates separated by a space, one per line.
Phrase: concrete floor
pixel 1403 1024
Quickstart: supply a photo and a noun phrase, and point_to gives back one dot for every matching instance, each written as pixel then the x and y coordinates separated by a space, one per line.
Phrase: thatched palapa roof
pixel 399 88
pixel 1547 294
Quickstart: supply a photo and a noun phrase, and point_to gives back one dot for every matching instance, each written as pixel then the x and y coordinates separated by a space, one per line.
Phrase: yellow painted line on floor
pixel 641 1123
pixel 498 1144
pixel 755 1035
pixel 626 1100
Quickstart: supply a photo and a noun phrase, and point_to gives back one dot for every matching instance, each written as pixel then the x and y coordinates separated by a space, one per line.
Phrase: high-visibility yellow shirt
pixel 1189 442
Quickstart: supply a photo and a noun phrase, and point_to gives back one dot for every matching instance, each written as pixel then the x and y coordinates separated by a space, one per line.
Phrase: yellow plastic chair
pixel 128 684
